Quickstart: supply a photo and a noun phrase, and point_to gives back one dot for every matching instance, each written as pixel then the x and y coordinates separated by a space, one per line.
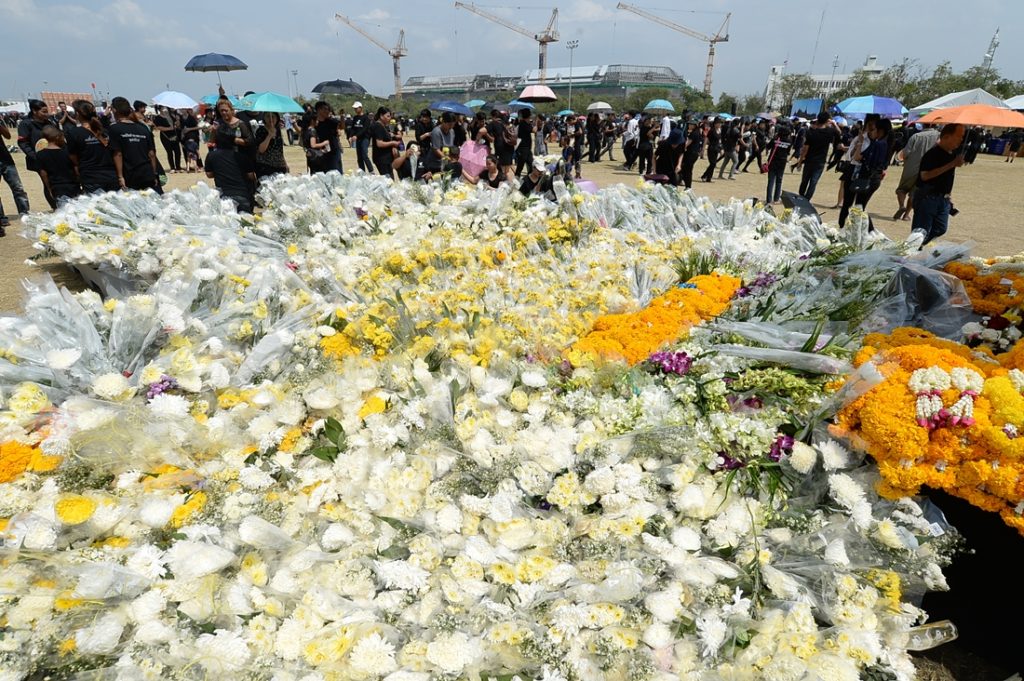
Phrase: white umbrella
pixel 600 107
pixel 175 100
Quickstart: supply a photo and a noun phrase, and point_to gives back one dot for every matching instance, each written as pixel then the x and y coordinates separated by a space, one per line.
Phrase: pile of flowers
pixel 942 416
pixel 412 432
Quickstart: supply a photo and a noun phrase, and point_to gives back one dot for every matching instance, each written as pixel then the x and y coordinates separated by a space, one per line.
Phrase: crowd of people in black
pixel 81 149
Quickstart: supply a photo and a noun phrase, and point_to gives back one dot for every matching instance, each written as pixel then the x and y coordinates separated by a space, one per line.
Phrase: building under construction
pixel 607 80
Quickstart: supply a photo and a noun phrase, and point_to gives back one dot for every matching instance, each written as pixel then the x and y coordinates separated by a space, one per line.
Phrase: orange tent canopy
pixel 976 114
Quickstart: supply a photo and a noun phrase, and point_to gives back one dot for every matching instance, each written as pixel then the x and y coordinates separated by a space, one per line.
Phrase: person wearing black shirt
pixel 9 172
pixel 524 132
pixel 55 167
pixel 491 175
pixel 359 135
pixel 714 148
pixel 757 145
pixel 645 146
pixel 935 184
pixel 190 141
pixel 169 126
pixel 778 153
pixel 89 150
pixel 384 143
pixel 134 151
pixel 821 137
pixel 232 180
pixel 30 131
pixel 329 128
pixel 502 149
pixel 668 155
pixel 270 147
pixel 421 130
pixel 460 130
pixel 731 151
pixel 691 152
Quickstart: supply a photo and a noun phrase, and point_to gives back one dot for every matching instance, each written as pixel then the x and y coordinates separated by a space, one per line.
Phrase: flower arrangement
pixel 941 417
pixel 342 440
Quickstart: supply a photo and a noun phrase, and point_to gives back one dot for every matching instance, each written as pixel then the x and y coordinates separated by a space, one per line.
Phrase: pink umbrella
pixel 473 157
pixel 537 93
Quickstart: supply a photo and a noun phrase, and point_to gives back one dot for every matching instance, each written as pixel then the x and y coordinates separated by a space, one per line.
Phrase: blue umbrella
pixel 215 62
pixel 474 103
pixel 726 116
pixel 858 107
pixel 565 112
pixel 454 107
pixel 662 105
pixel 210 100
pixel 516 105
pixel 839 120
pixel 271 102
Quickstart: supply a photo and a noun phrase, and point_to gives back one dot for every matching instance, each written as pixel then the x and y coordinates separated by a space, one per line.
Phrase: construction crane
pixel 548 35
pixel 722 36
pixel 396 52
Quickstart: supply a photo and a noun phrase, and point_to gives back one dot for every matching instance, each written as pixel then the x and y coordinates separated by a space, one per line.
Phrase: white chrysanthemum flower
pixel 399 574
pixel 192 559
pixel 252 477
pixel 60 360
pixel 712 631
pixel 835 553
pixel 112 386
pixel 373 656
pixel 222 652
pixel 452 652
pixel 101 637
pixel 845 490
pixel 166 406
pixel 833 455
pixel 156 511
pixel 803 458
pixel 533 379
pixel 889 534
pixel 148 561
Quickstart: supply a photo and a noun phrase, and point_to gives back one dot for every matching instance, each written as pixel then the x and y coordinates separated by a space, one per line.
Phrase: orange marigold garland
pixel 635 336
pixel 944 417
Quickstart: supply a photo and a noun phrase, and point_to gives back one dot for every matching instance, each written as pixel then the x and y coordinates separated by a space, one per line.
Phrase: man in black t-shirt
pixel 132 147
pixel 421 130
pixel 359 135
pixel 820 138
pixel 935 184
pixel 714 148
pixel 9 172
pixel 328 128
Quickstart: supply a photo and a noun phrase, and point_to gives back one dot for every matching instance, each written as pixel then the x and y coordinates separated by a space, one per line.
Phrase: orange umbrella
pixel 976 114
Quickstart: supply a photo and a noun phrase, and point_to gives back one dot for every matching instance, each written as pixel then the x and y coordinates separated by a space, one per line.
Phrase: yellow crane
pixel 396 52
pixel 548 35
pixel 722 36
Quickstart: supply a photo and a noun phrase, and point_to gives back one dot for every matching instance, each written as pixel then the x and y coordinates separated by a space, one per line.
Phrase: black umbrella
pixel 215 62
pixel 339 87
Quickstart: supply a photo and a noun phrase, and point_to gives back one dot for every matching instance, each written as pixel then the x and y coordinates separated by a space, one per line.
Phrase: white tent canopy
pixel 14 107
pixel 975 96
pixel 1015 102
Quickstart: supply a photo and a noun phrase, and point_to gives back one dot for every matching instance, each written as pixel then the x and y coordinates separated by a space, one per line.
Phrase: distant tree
pixel 726 102
pixel 795 86
pixel 751 105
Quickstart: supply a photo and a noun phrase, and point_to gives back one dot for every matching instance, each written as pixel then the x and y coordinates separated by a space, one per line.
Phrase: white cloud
pixel 588 10
pixel 376 15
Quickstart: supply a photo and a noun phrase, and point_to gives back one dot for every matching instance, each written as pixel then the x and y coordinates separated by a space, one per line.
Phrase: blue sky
pixel 137 48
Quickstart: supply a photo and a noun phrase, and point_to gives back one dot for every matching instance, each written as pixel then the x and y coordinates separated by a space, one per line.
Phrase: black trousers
pixel 851 198
pixel 594 151
pixel 629 151
pixel 687 170
pixel 524 159
pixel 754 155
pixel 645 153
pixel 173 151
pixel 712 162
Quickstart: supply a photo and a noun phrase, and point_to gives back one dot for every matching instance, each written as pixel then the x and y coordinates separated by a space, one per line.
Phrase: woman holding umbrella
pixel 234 134
pixel 270 147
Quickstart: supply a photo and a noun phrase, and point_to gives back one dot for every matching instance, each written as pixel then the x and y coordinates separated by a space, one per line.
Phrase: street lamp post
pixel 832 82
pixel 295 77
pixel 571 46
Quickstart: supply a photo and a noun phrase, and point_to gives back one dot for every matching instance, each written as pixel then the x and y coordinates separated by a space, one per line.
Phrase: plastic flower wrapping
pixel 412 432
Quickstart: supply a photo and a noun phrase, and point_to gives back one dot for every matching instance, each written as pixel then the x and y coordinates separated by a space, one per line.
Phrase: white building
pixel 824 84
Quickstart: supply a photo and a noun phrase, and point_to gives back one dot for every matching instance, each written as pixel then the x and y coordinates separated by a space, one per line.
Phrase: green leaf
pixel 333 431
pixel 328 454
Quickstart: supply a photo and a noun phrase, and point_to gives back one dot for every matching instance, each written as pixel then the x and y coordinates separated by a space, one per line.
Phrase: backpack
pixel 508 136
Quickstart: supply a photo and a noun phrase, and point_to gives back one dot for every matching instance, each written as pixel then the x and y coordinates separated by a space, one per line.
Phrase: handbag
pixel 861 181
pixel 765 166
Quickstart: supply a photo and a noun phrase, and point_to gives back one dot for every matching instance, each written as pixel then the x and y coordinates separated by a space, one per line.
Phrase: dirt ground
pixel 989 195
